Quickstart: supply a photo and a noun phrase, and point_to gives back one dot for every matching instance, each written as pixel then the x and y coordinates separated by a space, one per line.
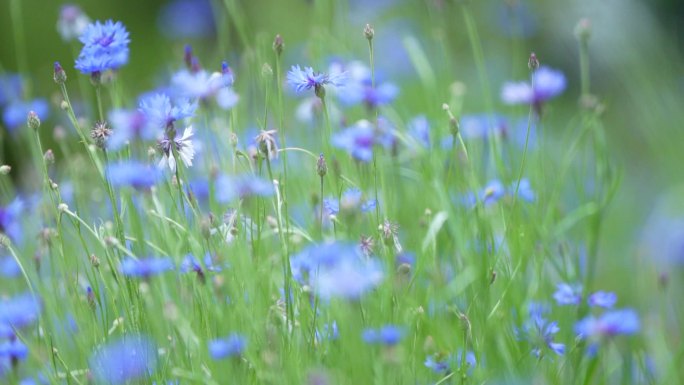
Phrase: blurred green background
pixel 637 70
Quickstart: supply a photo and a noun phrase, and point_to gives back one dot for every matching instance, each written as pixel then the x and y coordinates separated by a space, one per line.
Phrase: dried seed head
pixel 267 144
pixel 533 62
pixel 100 133
pixel 278 44
pixel 321 166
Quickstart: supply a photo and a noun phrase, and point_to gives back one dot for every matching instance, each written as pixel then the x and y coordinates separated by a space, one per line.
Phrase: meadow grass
pixel 312 227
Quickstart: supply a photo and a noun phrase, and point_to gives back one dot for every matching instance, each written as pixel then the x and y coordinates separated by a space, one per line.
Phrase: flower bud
pixel 49 156
pixel 583 29
pixel 5 169
pixel 321 166
pixel 533 62
pixel 59 75
pixel 33 121
pixel 266 71
pixel 62 207
pixel 278 44
pixel 368 32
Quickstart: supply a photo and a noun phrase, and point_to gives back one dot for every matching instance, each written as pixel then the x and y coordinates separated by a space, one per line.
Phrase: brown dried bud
pixel 278 44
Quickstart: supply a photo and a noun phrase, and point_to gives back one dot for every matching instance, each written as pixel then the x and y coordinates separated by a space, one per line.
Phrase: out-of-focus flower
pixel 72 22
pixel 336 270
pixel 358 87
pixel 161 114
pixel 389 335
pixel 187 19
pixel 145 268
pixel 10 216
pixel 9 267
pixel 359 139
pixel 13 350
pixel 14 114
pixel 129 125
pixel 525 190
pixel 232 346
pixel 539 332
pixel 105 47
pixel 442 364
pixel 306 79
pixel 546 83
pixel 609 324
pixel 183 146
pixel 133 174
pixel 202 85
pixel 131 358
pixel 19 311
pixel 350 201
pixel 568 294
pixel 419 129
pixel 229 188
pixel 602 299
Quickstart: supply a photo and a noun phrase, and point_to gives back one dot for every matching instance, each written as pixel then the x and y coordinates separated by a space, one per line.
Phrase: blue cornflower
pixel 187 19
pixel 610 323
pixel 19 311
pixel 567 294
pixel 231 346
pixel 105 47
pixel 441 363
pixel 133 174
pixel 129 125
pixel 336 270
pixel 602 299
pixel 181 145
pixel 11 88
pixel 131 358
pixel 9 220
pixel 145 268
pixel 231 187
pixel 350 201
pixel 13 350
pixel 15 112
pixel 546 83
pixel 330 332
pixel 72 22
pixel 492 192
pixel 358 88
pixel 358 140
pixel 9 267
pixel 161 113
pixel 419 129
pixel 307 79
pixel 540 332
pixel 525 190
pixel 201 84
pixel 389 335
pixel 190 263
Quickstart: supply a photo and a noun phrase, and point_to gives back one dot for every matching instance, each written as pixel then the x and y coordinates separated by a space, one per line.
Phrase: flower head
pixel 105 47
pixel 9 267
pixel 14 114
pixel 389 335
pixel 358 88
pixel 307 79
pixel 229 188
pixel 72 22
pixel 231 346
pixel 539 332
pixel 19 311
pixel 161 114
pixel 546 84
pixel 183 146
pixel 567 294
pixel 602 299
pixel 145 268
pixel 10 216
pixel 609 324
pixel 128 359
pixel 129 125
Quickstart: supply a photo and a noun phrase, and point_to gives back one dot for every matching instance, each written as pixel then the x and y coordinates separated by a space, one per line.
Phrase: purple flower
pixel 602 299
pixel 307 79
pixel 72 22
pixel 568 295
pixel 145 268
pixel 133 357
pixel 202 85
pixel 492 192
pixel 336 270
pixel 358 140
pixel 133 174
pixel 19 311
pixel 105 47
pixel 231 346
pixel 14 115
pixel 162 114
pixel 610 323
pixel 389 335
pixel 546 83
pixel 183 146
pixel 229 188
pixel 10 216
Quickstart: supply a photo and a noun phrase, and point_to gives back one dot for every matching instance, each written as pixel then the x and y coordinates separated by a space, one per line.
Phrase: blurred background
pixel 637 73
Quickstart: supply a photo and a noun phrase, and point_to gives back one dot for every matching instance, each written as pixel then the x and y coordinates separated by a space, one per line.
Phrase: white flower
pixel 182 145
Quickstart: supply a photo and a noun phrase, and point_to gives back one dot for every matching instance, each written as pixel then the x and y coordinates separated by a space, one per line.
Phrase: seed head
pixel 533 62
pixel 267 144
pixel 100 133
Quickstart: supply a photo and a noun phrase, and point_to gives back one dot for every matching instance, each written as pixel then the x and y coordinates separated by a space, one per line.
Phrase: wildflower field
pixel 341 192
